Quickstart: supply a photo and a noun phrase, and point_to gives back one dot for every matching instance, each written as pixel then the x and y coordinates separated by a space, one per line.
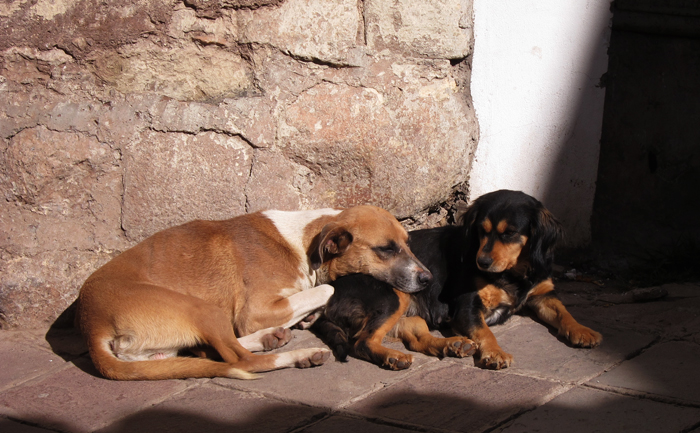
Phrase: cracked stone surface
pixel 117 121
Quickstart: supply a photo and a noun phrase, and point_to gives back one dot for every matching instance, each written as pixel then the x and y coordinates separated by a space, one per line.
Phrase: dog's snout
pixel 484 262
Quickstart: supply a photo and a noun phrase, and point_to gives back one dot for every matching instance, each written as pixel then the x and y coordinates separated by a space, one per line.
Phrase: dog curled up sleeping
pixel 233 287
pixel 497 263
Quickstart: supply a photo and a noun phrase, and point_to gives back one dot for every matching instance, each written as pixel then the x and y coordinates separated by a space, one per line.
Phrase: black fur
pixel 451 301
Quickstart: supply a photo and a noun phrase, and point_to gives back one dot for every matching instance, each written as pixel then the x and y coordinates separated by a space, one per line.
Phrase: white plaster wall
pixel 536 70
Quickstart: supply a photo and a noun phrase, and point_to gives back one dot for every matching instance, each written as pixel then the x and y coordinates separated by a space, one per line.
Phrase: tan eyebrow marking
pixel 502 226
pixel 487 225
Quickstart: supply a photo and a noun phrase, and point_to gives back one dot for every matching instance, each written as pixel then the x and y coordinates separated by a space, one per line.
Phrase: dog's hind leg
pixel 368 343
pixel 217 332
pixel 128 345
pixel 414 333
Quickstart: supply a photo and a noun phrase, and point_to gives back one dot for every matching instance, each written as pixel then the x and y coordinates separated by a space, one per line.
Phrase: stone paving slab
pixel 675 316
pixel 212 409
pixel 539 352
pixel 667 369
pixel 75 400
pixel 584 410
pixel 457 398
pixel 21 360
pixel 332 384
pixel 9 426
pixel 340 424
pixel 67 343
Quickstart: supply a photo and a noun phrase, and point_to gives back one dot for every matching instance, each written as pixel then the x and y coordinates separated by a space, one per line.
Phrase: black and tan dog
pixel 233 287
pixel 498 262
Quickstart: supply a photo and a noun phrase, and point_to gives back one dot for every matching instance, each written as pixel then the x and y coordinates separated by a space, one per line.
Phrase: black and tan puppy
pixel 498 262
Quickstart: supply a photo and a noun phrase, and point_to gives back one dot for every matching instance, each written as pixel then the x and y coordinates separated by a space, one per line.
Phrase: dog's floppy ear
pixel 467 216
pixel 545 232
pixel 467 220
pixel 333 240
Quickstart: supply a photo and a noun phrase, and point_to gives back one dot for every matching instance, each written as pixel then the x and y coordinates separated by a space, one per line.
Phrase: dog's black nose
pixel 484 261
pixel 425 277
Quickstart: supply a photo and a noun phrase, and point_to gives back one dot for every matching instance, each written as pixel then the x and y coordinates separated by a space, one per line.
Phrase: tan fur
pixel 415 334
pixel 205 283
pixel 392 359
pixel 490 355
pixel 554 313
pixel 502 226
pixel 492 297
pixel 504 255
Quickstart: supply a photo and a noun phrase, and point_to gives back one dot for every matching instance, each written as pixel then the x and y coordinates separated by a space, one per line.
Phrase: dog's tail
pixel 334 336
pixel 112 367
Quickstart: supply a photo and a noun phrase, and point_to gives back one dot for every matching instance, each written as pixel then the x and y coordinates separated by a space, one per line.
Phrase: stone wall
pixel 118 119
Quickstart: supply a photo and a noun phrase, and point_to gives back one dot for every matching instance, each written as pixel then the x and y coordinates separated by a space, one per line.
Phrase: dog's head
pixel 369 240
pixel 508 228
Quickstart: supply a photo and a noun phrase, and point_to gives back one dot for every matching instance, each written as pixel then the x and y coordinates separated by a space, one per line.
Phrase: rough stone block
pixel 65 186
pixel 36 289
pixel 325 31
pixel 189 176
pixel 364 147
pixel 62 198
pixel 435 29
pixel 277 183
pixel 186 72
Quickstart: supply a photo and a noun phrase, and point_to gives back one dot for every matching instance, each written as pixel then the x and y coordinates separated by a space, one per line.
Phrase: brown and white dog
pixel 233 286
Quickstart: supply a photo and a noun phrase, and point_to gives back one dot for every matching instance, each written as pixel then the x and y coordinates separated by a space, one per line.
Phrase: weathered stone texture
pixel 173 178
pixel 186 72
pixel 364 146
pixel 325 31
pixel 436 29
pixel 120 119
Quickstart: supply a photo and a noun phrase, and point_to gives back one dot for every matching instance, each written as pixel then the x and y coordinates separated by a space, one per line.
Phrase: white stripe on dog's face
pixel 291 224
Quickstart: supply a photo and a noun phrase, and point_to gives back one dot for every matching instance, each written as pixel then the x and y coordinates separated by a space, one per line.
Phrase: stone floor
pixel 645 377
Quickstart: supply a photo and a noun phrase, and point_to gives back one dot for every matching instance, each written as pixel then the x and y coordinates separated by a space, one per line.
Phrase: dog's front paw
pixel 278 338
pixel 459 347
pixel 582 336
pixel 494 359
pixel 396 360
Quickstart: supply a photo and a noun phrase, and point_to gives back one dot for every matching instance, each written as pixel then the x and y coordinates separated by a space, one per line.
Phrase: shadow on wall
pixel 645 220
pixel 535 84
pixel 570 184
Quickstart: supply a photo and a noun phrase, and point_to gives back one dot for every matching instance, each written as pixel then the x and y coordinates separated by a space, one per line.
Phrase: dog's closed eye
pixel 387 251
